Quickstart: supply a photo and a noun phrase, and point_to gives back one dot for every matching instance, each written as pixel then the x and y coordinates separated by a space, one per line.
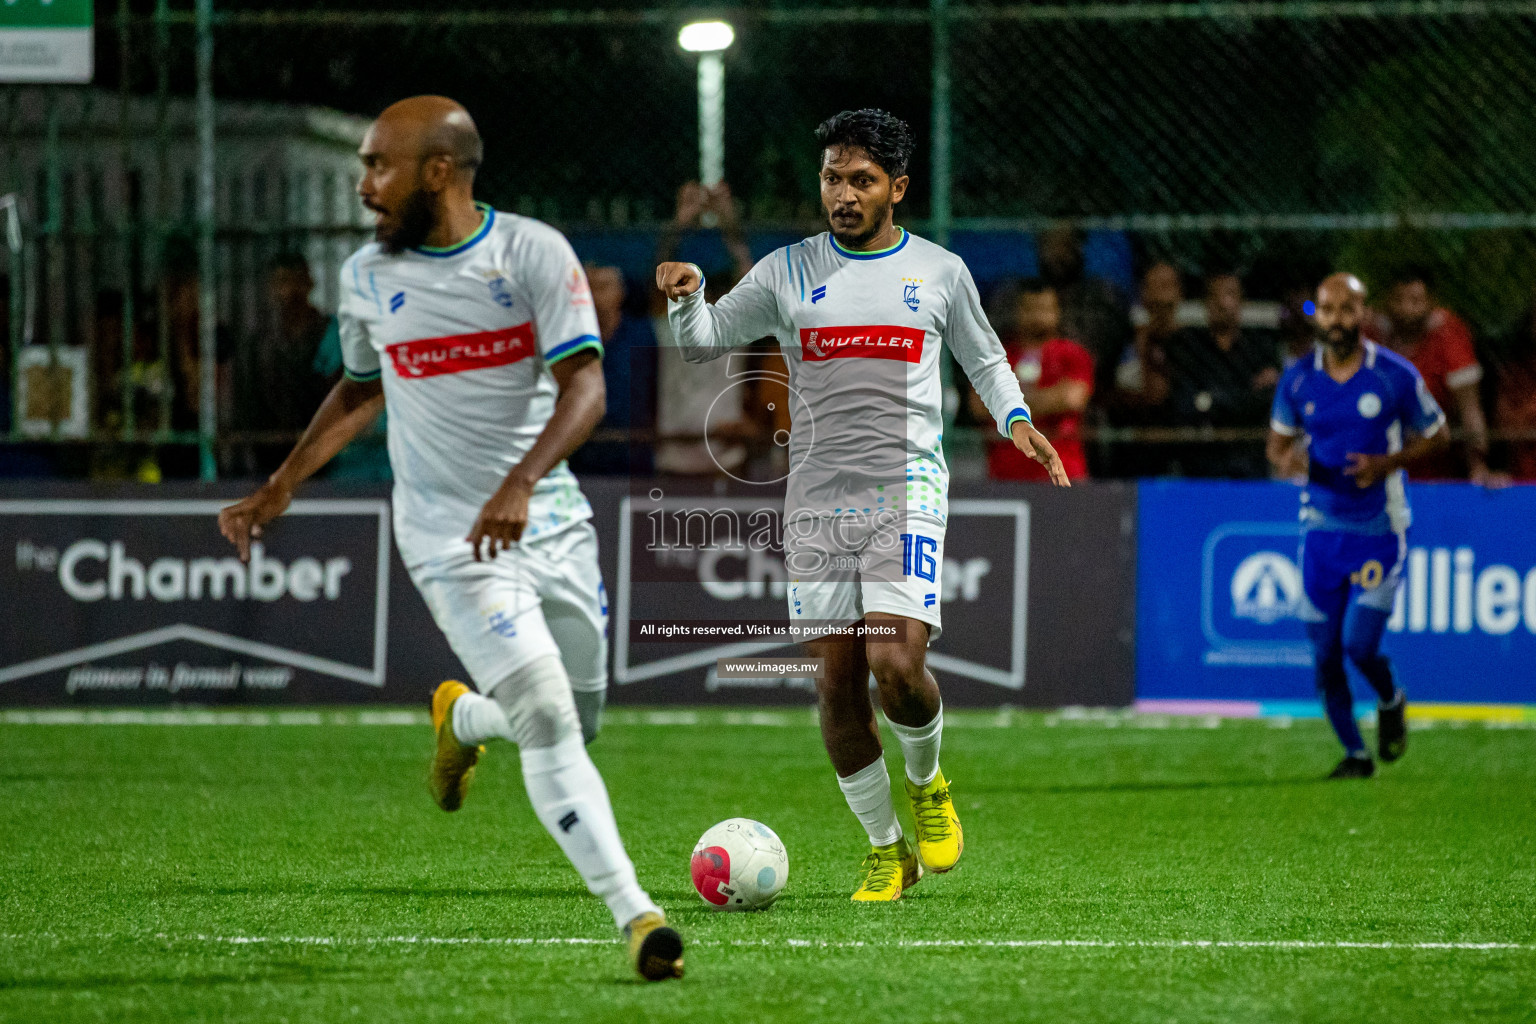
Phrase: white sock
pixel 868 792
pixel 571 801
pixel 477 719
pixel 920 747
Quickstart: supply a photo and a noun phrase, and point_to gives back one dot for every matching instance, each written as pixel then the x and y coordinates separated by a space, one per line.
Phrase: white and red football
pixel 740 864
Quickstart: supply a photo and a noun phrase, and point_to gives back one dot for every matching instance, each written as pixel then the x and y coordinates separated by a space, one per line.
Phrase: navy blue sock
pixel 1333 685
pixel 1362 642
pixel 1339 703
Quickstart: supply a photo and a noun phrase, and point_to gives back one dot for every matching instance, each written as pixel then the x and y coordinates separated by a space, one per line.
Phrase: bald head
pixel 434 126
pixel 1340 312
pixel 419 160
pixel 1343 285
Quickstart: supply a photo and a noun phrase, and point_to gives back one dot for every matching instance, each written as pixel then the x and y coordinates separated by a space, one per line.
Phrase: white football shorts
pixel 841 569
pixel 539 598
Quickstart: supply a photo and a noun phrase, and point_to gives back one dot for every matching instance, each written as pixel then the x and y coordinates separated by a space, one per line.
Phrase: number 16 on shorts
pixel 917 553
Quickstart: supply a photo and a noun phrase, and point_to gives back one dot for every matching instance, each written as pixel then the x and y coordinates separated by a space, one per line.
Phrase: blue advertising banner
pixel 1219 592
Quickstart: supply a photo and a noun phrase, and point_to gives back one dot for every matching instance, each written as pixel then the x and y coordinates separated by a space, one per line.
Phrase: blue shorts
pixel 1338 569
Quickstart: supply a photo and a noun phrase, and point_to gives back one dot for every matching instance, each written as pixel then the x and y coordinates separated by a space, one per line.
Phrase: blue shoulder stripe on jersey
pixel 361 378
pixel 789 270
pixel 453 250
pixel 801 266
pixel 570 348
pixel 1017 414
pixel 879 254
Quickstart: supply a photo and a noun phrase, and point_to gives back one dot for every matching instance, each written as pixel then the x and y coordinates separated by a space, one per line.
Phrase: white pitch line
pixel 935 944
pixel 684 719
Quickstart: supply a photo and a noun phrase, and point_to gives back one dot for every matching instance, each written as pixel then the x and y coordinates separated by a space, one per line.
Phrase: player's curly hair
pixel 885 137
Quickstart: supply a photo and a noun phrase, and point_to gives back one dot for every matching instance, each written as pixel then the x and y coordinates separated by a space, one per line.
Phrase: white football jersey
pixel 463 338
pixel 862 334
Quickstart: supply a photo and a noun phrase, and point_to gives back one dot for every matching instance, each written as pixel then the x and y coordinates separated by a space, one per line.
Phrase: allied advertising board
pixel 1220 594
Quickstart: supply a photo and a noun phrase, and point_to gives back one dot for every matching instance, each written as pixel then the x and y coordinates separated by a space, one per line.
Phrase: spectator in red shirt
pixel 1057 379
pixel 1439 344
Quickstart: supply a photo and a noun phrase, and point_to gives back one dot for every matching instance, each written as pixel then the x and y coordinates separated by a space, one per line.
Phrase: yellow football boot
pixel 888 870
pixel 453 764
pixel 655 950
pixel 940 839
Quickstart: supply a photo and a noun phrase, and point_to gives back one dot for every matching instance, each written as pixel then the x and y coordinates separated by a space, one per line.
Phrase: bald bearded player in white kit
pixel 476 329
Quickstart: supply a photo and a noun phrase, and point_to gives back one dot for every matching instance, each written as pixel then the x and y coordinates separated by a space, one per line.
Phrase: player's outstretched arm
pixel 704 330
pixel 349 408
pixel 1367 470
pixel 1033 444
pixel 579 408
pixel 1287 454
pixel 971 338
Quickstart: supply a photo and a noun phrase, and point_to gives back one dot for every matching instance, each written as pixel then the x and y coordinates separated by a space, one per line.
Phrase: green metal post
pixel 939 204
pixel 124 225
pixel 207 294
pixel 53 228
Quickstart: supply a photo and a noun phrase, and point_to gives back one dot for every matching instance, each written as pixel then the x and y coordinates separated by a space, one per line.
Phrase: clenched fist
pixel 678 280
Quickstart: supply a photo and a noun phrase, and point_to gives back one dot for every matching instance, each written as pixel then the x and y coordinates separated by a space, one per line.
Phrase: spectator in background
pixel 1140 395
pixel 275 389
pixel 181 309
pixel 1439 344
pixel 149 385
pixel 367 457
pixel 1221 376
pixel 693 396
pixel 1093 313
pixel 1515 405
pixel 629 367
pixel 1057 379
pixel 1297 336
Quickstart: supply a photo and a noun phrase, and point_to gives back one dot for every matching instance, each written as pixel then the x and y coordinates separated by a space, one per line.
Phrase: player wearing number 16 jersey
pixel 477 329
pixel 862 315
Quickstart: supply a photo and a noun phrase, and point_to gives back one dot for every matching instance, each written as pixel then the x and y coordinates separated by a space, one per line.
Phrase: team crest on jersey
pixel 909 292
pixel 501 290
pixel 1369 405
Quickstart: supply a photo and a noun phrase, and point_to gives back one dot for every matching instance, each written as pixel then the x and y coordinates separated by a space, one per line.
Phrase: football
pixel 740 864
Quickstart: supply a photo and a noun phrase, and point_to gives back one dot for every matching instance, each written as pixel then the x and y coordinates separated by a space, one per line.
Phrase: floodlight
pixel 706 36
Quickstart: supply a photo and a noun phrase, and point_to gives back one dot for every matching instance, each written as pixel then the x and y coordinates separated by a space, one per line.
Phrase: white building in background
pixel 284 180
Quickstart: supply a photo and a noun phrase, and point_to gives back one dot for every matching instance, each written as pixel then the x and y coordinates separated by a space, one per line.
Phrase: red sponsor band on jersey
pixel 877 341
pixel 455 353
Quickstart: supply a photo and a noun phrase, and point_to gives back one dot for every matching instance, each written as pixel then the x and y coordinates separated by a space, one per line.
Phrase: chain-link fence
pixel 1276 139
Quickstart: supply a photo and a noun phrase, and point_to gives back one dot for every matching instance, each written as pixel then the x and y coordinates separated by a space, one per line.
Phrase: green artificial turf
pixel 298 872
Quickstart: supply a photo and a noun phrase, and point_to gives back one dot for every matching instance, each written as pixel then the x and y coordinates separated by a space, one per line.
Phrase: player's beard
pixel 418 213
pixel 1341 342
pixel 855 240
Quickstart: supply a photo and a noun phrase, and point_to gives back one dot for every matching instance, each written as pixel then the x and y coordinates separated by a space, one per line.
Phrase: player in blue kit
pixel 1350 417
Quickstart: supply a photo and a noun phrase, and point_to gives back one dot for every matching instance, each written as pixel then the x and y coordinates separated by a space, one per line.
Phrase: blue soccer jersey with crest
pixel 1368 414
